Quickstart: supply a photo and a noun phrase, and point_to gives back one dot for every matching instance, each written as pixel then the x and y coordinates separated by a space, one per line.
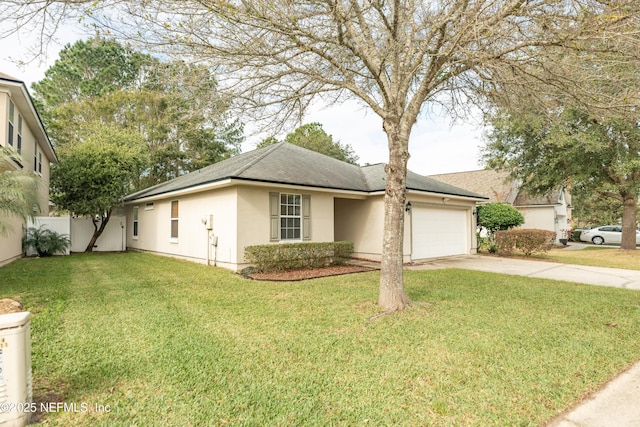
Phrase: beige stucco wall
pixel 254 219
pixel 29 144
pixel 154 227
pixel 240 219
pixel 553 218
pixel 11 244
pixel 362 222
pixel 541 218
pixel 556 217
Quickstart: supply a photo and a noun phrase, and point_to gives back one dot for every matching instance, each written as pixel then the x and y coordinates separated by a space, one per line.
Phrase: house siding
pixel 154 227
pixel 11 244
pixel 240 219
pixel 254 216
pixel 362 222
pixel 552 218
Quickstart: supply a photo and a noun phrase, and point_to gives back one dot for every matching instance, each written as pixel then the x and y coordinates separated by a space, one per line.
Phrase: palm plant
pixel 46 242
pixel 18 189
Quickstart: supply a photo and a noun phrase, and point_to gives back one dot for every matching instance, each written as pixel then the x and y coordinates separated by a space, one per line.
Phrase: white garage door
pixel 438 232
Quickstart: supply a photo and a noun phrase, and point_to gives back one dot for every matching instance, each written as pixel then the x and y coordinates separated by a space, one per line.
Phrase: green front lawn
pixel 167 342
pixel 595 256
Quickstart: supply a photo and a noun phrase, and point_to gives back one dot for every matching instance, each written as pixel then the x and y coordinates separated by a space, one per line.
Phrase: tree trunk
pixel 629 205
pixel 392 294
pixel 97 231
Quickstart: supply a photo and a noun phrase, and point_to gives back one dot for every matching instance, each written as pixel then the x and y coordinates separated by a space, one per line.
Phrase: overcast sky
pixel 436 146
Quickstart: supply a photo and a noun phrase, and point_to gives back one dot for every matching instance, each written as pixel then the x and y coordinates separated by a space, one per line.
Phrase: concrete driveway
pixel 601 276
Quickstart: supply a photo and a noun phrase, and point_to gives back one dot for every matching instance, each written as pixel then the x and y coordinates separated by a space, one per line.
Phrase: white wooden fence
pixel 80 230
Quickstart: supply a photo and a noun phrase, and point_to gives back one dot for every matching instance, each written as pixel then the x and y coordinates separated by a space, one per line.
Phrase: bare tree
pixel 394 56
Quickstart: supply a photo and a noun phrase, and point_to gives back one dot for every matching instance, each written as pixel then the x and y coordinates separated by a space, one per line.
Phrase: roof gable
pixel 286 163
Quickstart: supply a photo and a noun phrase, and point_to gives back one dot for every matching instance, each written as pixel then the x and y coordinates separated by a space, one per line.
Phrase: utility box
pixel 15 369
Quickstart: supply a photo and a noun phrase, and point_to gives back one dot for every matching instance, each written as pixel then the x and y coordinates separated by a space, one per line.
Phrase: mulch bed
pixel 308 273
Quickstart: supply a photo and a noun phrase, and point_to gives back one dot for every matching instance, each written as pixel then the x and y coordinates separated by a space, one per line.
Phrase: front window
pixel 174 220
pixel 290 216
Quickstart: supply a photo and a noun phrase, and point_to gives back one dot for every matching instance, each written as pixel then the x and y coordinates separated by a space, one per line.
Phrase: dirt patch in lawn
pixel 308 273
pixel 10 306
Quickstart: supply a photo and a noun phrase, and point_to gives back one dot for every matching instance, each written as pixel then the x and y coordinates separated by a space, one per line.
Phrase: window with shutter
pixel 290 217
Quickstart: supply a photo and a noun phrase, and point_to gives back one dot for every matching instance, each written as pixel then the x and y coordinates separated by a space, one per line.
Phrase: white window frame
pixel 290 208
pixel 35 156
pixel 11 121
pixel 174 219
pixel 136 223
pixel 19 141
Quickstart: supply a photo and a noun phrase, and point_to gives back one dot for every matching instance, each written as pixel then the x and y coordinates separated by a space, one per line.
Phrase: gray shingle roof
pixel 285 163
pixel 376 181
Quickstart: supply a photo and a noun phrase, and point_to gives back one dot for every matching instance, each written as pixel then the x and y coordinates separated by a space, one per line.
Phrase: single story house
pixel 551 211
pixel 21 130
pixel 285 193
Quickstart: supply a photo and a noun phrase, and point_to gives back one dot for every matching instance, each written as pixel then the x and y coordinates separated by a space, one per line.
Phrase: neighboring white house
pixel 285 193
pixel 21 130
pixel 551 211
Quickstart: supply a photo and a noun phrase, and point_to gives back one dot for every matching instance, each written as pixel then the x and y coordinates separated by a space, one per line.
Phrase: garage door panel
pixel 439 232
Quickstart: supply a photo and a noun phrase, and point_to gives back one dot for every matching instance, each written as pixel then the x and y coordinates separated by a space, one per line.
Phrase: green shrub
pixel 291 256
pixel 523 240
pixel 46 242
pixel 498 216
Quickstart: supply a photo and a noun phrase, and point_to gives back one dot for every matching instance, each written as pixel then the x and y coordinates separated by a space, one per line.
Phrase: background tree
pixel 313 137
pixel 90 69
pixel 174 106
pixel 18 190
pixel 593 155
pixel 94 176
pixel 276 57
pixel 592 209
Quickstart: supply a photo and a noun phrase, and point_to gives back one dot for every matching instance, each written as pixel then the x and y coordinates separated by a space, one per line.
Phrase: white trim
pixel 135 226
pixel 298 217
pixel 174 239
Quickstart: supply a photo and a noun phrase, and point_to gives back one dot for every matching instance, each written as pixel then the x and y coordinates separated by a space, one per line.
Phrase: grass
pixel 596 256
pixel 167 342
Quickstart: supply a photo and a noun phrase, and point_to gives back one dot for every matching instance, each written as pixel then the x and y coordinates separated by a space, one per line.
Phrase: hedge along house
pixel 285 193
pixel 22 130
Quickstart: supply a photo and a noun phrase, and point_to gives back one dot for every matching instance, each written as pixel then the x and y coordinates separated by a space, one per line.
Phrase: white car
pixel 605 234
